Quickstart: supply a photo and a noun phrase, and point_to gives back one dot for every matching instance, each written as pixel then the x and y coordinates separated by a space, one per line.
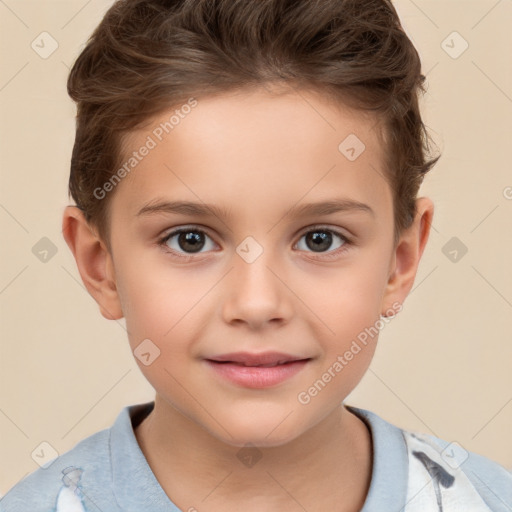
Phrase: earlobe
pixel 94 262
pixel 408 252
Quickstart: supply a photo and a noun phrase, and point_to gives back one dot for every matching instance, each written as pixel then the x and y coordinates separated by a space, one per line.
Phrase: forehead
pixel 256 147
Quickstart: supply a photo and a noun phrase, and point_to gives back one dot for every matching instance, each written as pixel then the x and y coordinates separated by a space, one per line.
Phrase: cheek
pixel 152 303
pixel 350 306
pixel 160 313
pixel 349 299
pixel 164 306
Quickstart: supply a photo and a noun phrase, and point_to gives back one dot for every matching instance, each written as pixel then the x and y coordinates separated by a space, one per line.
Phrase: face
pixel 238 308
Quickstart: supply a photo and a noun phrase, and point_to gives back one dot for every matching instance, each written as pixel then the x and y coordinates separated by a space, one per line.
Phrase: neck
pixel 330 464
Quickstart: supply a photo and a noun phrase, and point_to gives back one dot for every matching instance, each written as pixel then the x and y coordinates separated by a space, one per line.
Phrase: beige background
pixel 443 366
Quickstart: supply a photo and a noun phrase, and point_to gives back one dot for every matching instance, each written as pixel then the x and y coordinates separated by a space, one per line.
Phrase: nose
pixel 255 294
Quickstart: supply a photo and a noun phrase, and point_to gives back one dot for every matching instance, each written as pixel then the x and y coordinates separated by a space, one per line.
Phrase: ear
pixel 94 262
pixel 407 255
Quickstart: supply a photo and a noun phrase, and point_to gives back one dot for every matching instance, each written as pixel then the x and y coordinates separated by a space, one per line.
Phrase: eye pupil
pixel 321 240
pixel 192 239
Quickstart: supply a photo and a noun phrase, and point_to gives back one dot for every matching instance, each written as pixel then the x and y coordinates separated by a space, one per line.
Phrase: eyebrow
pixel 204 210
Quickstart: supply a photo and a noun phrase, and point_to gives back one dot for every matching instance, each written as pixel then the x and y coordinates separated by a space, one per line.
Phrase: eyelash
pixel 162 242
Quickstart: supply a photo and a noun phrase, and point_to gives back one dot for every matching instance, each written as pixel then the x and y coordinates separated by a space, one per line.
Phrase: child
pixel 282 141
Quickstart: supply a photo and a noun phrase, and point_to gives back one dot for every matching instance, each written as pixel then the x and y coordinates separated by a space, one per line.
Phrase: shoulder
pixel 60 484
pixel 461 475
pixel 429 473
pixel 96 474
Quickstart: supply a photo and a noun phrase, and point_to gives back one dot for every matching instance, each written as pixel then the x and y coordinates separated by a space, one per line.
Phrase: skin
pixel 257 154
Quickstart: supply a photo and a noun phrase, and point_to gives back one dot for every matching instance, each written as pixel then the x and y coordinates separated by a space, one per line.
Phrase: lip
pixel 257 370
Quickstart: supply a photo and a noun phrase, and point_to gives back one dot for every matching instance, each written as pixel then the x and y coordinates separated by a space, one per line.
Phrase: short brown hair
pixel 147 56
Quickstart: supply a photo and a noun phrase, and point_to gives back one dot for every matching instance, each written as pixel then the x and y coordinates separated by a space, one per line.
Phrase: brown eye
pixel 191 241
pixel 186 240
pixel 320 240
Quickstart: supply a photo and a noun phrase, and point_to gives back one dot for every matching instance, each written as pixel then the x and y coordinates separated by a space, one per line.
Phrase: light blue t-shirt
pixel 411 473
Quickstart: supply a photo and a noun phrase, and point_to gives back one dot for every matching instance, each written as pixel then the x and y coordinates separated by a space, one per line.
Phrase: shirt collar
pixel 134 484
pixel 136 487
pixel 390 464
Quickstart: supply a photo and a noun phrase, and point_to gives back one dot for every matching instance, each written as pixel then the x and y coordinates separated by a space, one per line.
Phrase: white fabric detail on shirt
pixel 424 492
